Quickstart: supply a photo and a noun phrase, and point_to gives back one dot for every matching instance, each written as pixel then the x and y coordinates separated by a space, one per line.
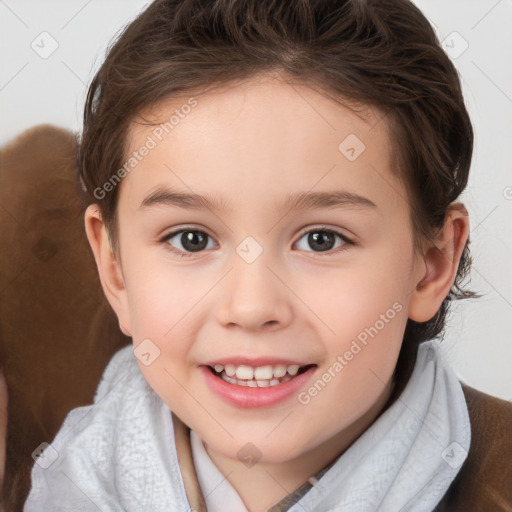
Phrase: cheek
pixel 159 297
pixel 351 300
pixel 365 311
pixel 161 309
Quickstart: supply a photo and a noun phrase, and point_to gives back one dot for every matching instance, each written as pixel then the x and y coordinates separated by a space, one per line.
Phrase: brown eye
pixel 322 240
pixel 188 241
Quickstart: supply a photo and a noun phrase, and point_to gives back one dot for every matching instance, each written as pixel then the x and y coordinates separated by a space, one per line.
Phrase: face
pixel 273 314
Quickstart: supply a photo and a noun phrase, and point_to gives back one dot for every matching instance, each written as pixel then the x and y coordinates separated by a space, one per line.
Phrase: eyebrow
pixel 297 201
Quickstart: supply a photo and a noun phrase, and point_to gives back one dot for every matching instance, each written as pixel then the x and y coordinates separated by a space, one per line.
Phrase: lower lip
pixel 248 398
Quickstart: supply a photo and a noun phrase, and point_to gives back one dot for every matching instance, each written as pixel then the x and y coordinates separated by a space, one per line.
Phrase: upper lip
pixel 255 363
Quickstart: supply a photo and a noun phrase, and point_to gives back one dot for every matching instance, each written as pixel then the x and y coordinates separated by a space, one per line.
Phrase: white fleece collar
pixel 405 461
pixel 118 454
pixel 408 458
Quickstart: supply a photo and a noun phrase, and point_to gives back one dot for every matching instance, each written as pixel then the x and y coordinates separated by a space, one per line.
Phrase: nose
pixel 252 297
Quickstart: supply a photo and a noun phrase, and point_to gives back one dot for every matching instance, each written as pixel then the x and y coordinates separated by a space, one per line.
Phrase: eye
pixel 323 239
pixel 187 241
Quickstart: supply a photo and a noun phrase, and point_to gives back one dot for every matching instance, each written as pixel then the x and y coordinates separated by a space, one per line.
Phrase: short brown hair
pixel 381 53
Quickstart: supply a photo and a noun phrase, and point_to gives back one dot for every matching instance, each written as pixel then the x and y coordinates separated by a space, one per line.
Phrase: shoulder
pixel 484 482
pixel 120 395
pixel 89 429
pixel 113 450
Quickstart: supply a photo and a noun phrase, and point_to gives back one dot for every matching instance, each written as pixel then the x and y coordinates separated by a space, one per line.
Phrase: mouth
pixel 262 383
pixel 260 376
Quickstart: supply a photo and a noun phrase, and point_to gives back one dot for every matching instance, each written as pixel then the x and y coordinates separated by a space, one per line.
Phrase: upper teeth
pixel 244 372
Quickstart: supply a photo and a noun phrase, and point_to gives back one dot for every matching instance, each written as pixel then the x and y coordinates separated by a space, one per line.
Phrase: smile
pixel 257 377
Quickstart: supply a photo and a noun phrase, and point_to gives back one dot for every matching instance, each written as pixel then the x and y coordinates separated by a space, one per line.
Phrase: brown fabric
pixel 295 496
pixel 57 332
pixel 188 471
pixel 4 398
pixel 484 483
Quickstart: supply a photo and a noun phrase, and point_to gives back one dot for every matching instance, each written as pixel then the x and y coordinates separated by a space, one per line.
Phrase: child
pixel 271 192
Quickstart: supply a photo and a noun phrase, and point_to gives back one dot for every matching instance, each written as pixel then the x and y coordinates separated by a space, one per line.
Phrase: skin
pixel 252 144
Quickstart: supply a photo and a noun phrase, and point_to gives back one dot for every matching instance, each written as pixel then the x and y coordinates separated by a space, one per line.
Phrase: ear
pixel 441 261
pixel 109 268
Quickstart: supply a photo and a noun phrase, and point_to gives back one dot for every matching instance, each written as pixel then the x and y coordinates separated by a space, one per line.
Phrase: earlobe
pixel 109 268
pixel 441 261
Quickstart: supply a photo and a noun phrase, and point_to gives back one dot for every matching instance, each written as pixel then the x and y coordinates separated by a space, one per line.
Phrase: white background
pixel 478 341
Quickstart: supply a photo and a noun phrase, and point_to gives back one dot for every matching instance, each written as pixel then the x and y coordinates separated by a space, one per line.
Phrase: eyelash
pixel 323 229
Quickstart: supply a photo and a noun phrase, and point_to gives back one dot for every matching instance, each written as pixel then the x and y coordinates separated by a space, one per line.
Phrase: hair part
pixel 378 53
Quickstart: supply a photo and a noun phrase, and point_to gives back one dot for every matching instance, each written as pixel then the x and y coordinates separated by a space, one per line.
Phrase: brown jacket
pixel 57 332
pixel 484 483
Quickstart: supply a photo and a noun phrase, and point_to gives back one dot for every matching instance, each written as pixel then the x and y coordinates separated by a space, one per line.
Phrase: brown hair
pixel 381 53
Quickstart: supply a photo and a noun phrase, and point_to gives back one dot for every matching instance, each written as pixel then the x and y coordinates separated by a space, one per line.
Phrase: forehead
pixel 264 101
pixel 263 136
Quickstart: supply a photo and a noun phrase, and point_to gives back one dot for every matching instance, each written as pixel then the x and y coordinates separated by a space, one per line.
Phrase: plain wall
pixel 478 344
